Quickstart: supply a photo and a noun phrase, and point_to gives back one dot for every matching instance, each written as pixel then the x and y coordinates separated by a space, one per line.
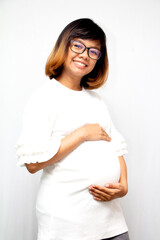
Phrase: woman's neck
pixel 71 82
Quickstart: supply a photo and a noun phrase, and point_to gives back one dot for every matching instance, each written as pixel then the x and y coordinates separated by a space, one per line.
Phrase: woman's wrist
pixel 82 133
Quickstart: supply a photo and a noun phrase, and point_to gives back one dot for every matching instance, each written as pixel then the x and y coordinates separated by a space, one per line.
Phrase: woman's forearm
pixel 88 132
pixel 68 144
pixel 123 176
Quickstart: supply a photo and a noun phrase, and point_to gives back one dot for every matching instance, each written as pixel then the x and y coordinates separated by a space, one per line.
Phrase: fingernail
pixel 107 185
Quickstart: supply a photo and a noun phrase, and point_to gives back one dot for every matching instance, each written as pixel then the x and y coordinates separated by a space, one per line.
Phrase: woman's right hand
pixel 93 132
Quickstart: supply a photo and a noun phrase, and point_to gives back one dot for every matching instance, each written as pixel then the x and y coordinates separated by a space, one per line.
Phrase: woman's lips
pixel 79 64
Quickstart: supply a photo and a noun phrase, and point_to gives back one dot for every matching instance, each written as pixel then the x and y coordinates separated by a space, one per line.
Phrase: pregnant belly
pixel 64 186
pixel 93 162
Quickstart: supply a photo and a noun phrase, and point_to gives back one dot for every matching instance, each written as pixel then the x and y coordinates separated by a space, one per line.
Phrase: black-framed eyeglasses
pixel 79 47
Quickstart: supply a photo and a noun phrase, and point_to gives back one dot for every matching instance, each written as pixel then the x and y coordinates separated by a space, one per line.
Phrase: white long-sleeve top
pixel 65 208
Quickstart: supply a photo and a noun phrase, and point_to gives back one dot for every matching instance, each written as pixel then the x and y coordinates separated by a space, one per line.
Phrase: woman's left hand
pixel 109 192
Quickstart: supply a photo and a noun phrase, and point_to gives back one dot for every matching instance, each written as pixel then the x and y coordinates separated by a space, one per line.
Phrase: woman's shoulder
pixel 46 91
pixel 43 96
pixel 46 88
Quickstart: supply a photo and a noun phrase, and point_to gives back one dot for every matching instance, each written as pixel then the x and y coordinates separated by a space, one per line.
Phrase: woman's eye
pixel 94 52
pixel 77 46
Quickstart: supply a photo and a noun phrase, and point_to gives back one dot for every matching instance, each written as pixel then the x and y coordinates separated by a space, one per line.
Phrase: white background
pixel 29 30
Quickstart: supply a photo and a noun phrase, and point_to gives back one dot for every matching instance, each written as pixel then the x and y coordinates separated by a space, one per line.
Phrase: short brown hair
pixel 83 28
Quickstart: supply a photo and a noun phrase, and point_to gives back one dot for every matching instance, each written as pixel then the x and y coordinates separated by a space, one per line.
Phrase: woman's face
pixel 80 64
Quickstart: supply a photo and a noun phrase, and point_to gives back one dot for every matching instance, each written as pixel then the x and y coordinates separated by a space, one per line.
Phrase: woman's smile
pixel 80 64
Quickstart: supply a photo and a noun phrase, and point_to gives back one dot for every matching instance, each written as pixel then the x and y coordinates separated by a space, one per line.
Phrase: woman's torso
pixel 63 193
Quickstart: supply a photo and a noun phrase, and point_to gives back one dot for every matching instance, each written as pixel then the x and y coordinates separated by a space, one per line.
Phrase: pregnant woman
pixel 69 134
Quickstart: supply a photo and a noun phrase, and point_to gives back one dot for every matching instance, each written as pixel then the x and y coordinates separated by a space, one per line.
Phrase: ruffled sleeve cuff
pixel 119 145
pixel 37 152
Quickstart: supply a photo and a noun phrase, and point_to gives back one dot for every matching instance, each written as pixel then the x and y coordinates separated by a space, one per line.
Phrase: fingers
pixel 99 193
pixel 107 138
pixel 104 193
pixel 109 188
pixel 105 135
pixel 94 131
pixel 100 198
pixel 113 185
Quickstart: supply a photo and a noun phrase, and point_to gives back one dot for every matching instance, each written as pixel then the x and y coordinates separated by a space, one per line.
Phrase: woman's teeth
pixel 81 64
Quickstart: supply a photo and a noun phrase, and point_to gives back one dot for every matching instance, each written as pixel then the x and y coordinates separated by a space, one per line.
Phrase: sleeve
pixel 118 141
pixel 37 142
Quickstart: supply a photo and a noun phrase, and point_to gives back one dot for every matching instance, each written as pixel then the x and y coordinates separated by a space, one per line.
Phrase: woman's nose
pixel 84 54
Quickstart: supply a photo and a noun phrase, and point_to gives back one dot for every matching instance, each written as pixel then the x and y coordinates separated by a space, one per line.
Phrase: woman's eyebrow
pixel 81 41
